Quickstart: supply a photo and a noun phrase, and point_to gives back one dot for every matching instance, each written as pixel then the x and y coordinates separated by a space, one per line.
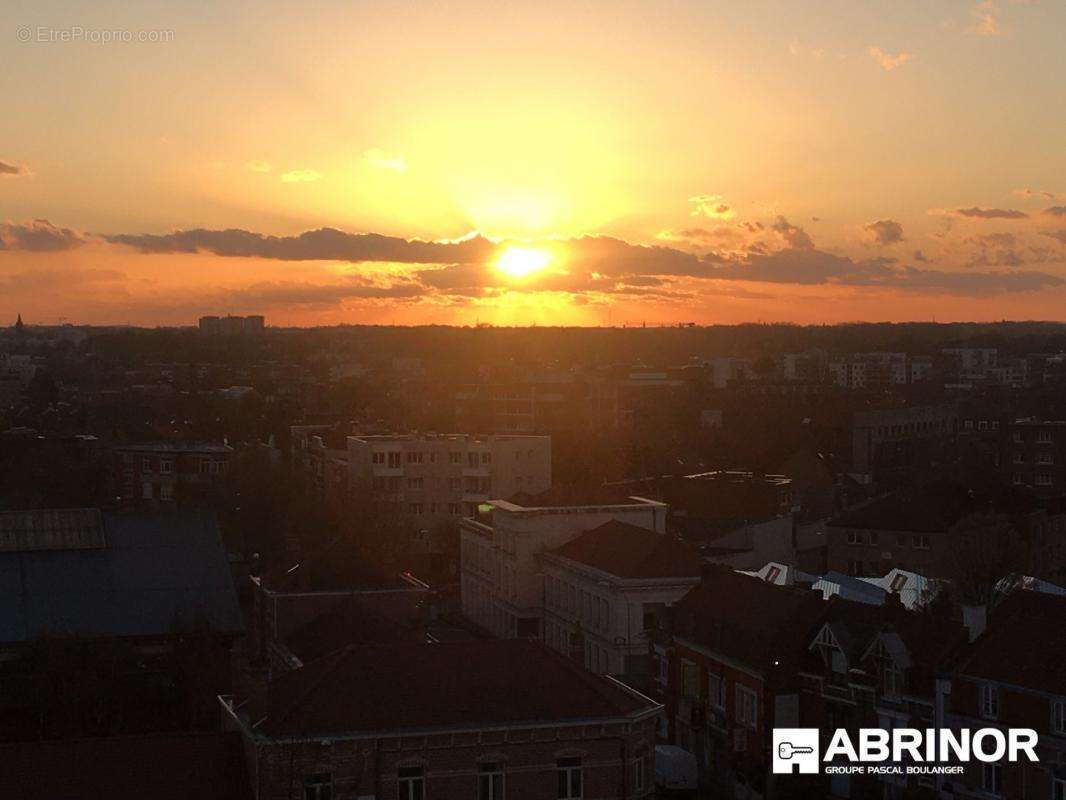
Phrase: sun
pixel 518 262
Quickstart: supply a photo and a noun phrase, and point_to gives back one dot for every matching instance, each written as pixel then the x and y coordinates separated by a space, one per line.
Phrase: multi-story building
pixel 163 471
pixel 230 325
pixel 431 478
pixel 502 579
pixel 727 666
pixel 889 438
pixel 1034 455
pixel 1013 675
pixel 485 719
pixel 603 592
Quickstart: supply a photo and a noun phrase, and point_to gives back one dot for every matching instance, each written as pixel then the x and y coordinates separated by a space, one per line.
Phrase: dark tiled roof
pixel 749 620
pixel 931 509
pixel 417 686
pixel 180 766
pixel 51 529
pixel 628 551
pixel 1023 644
pixel 157 574
pixel 566 496
pixel 369 618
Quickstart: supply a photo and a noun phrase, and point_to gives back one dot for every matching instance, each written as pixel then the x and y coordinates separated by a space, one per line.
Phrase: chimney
pixel 975 618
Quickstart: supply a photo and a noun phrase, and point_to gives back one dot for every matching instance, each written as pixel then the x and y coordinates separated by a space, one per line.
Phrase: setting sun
pixel 518 262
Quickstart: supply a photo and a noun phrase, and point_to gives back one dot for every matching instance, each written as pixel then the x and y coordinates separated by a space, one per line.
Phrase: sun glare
pixel 518 262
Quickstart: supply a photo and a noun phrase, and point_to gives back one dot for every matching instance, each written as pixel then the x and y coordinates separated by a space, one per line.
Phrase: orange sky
pixel 550 163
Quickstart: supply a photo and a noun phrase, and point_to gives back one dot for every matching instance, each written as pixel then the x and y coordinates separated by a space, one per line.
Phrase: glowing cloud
pixel 519 262
pixel 300 176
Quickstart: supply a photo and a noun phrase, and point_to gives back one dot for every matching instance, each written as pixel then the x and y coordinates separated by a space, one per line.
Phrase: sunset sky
pixel 581 162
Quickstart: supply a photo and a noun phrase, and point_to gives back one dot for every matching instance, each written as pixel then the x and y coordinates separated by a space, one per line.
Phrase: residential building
pixel 486 719
pixel 1013 675
pixel 1034 455
pixel 166 471
pixel 888 439
pixel 502 582
pixel 604 590
pixel 431 478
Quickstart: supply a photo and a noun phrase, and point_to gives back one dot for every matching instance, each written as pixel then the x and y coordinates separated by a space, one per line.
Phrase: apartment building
pixel 890 438
pixel 430 478
pixel 485 719
pixel 1034 455
pixel 603 592
pixel 502 578
pixel 163 471
pixel 1013 676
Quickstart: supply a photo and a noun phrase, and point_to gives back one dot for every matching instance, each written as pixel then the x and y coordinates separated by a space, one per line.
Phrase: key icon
pixel 787 750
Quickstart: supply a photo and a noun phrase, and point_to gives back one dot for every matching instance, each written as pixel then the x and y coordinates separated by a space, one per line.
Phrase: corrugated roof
pixel 51 529
pixel 159 573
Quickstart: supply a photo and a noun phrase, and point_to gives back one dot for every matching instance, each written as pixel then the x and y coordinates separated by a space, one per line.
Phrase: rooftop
pixel 174 447
pixel 51 529
pixel 157 574
pixel 628 551
pixel 445 685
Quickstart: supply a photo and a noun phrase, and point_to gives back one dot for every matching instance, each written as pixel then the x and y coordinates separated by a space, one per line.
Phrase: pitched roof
pixel 1023 643
pixel 418 686
pixel 362 618
pixel 931 508
pixel 156 574
pixel 748 619
pixel 178 766
pixel 628 551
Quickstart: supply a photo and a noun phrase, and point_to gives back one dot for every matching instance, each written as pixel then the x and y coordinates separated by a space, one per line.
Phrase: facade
pixel 502 582
pixel 1034 455
pixel 1013 675
pixel 161 471
pixel 431 478
pixel 487 719
pixel 604 590
pixel 890 438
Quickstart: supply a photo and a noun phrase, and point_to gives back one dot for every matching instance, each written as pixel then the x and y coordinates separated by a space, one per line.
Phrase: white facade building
pixel 502 577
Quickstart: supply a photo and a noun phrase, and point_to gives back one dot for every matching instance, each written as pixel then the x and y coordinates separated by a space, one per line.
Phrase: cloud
pixel 38 236
pixel 887 60
pixel 10 170
pixel 794 236
pixel 382 160
pixel 1056 211
pixel 324 244
pixel 990 213
pixel 813 267
pixel 1028 192
pixel 259 166
pixel 985 20
pixel 1059 235
pixel 885 231
pixel 712 206
pixel 920 256
pixel 300 176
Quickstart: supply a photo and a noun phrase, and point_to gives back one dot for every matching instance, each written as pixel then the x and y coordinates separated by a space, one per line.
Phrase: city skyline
pixel 512 164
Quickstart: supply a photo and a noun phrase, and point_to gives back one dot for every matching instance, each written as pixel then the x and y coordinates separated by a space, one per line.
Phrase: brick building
pixel 489 719
pixel 163 471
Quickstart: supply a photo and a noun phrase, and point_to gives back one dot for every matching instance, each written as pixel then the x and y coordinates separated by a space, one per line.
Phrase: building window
pixel 205 466
pixel 1045 458
pixel 1019 458
pixel 638 775
pixel 747 707
pixel 318 786
pixel 568 772
pixel 146 464
pixel 989 701
pixel 920 541
pixel 855 537
pixel 414 483
pixel 486 458
pixel 1016 437
pixel 166 491
pixel 471 459
pixel 489 781
pixel 146 491
pixel 1043 437
pixel 414 457
pixel 1058 717
pixel 377 458
pixel 412 781
pixel 394 460
pixel 455 457
pixel 166 467
pixel 455 509
pixel 992 778
pixel 690 679
pixel 1017 479
pixel 417 508
pixel 716 690
pixel 1044 479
